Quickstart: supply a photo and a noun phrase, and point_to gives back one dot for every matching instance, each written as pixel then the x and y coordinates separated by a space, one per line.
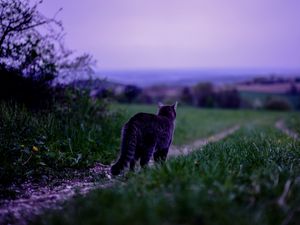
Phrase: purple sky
pixel 156 34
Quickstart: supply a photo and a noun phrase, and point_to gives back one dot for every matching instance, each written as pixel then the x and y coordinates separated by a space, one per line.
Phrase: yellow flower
pixel 34 148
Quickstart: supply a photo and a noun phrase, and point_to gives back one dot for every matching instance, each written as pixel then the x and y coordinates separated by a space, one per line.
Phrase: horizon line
pixel 220 69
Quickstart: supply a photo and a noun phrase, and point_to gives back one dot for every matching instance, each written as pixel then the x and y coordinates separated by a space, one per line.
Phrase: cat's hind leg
pixel 132 165
pixel 160 155
pixel 137 156
pixel 146 156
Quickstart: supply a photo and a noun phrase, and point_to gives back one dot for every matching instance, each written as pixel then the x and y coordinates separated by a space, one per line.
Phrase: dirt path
pixel 281 126
pixel 36 198
pixel 186 149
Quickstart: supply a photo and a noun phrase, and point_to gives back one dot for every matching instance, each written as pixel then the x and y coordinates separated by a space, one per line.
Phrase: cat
pixel 146 135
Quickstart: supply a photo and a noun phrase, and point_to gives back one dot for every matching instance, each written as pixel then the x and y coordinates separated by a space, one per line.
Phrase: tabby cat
pixel 145 135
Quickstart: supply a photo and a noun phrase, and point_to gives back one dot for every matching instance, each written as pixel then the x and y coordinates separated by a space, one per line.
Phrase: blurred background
pixel 219 54
pixel 228 54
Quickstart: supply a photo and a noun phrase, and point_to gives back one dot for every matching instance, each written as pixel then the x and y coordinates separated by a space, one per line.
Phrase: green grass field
pixel 251 177
pixel 83 132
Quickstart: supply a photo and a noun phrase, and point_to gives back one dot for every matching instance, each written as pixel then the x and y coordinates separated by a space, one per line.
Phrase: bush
pixel 34 92
pixel 228 98
pixel 32 54
pixel 131 92
pixel 276 103
pixel 204 95
pixel 78 132
pixel 187 96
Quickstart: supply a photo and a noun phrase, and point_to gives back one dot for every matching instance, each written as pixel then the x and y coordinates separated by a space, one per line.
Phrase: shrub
pixel 131 92
pixel 228 98
pixel 276 103
pixel 204 95
pixel 34 92
pixel 187 96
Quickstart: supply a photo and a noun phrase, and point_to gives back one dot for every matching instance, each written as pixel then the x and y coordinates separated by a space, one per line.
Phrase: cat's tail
pixel 128 148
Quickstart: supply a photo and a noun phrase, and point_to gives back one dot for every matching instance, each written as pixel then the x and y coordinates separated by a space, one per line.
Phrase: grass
pixel 293 122
pixel 194 123
pixel 41 144
pixel 79 132
pixel 240 180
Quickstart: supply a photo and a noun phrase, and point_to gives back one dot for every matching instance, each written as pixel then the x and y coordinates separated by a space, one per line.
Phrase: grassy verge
pixel 41 144
pixel 240 180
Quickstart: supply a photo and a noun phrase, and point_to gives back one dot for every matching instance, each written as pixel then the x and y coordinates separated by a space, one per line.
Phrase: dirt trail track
pixel 36 198
pixel 281 126
pixel 186 149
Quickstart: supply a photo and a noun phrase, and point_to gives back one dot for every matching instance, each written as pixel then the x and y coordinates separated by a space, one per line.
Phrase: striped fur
pixel 146 135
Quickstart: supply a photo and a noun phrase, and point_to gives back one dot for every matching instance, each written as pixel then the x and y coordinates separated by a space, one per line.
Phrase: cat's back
pixel 144 118
pixel 146 121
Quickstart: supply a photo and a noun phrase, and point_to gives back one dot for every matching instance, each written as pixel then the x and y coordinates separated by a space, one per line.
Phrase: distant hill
pixel 144 78
pixel 95 84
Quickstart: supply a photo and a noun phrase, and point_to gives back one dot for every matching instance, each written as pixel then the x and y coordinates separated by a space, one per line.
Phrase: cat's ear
pixel 160 104
pixel 175 105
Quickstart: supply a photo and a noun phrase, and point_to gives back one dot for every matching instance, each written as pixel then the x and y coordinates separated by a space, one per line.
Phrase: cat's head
pixel 167 110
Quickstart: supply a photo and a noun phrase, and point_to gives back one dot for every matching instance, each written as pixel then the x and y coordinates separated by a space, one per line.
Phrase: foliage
pixel 76 133
pixel 204 94
pixel 293 89
pixel 228 98
pixel 275 103
pixel 187 96
pixel 32 54
pixel 22 46
pixel 131 92
pixel 35 93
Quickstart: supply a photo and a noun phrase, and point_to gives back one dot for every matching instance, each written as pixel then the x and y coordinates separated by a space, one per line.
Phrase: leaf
pixel 42 164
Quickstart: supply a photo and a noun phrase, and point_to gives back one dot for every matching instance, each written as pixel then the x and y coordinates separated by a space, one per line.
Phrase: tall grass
pixel 73 134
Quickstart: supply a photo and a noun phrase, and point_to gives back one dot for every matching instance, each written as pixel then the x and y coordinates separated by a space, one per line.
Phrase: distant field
pixel 251 177
pixel 267 88
pixel 262 97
